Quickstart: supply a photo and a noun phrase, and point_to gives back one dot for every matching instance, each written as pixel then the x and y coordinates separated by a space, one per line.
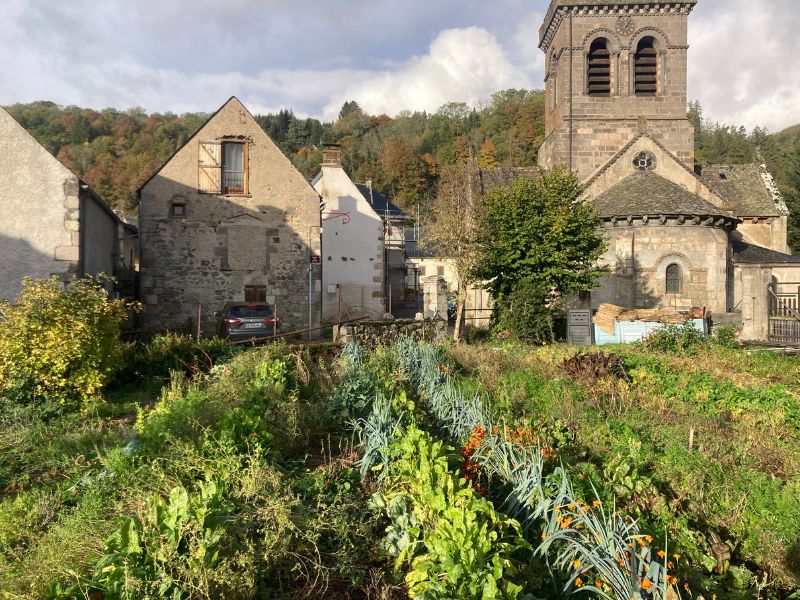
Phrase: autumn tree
pixel 451 231
pixel 409 174
pixel 487 155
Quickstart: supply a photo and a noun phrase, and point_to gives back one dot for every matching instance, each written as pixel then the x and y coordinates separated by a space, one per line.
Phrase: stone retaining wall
pixel 384 333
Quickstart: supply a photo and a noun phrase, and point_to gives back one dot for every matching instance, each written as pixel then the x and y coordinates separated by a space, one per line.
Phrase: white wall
pixel 352 252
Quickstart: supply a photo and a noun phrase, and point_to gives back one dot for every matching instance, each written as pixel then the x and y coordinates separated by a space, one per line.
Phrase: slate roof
pixel 749 254
pixel 645 193
pixel 742 186
pixel 382 205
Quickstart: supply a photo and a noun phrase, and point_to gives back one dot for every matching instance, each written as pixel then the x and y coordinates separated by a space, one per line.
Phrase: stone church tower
pixel 614 70
pixel 616 114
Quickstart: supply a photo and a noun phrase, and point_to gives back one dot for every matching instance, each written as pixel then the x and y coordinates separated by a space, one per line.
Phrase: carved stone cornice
pixel 560 9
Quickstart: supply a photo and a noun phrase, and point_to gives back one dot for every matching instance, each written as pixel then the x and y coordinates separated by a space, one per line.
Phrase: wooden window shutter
pixel 209 167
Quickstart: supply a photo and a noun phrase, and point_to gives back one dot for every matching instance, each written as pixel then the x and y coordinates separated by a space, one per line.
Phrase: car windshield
pixel 258 311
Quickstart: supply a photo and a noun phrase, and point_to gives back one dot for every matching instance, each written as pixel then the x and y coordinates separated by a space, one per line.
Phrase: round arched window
pixel 674 279
pixel 598 64
pixel 645 68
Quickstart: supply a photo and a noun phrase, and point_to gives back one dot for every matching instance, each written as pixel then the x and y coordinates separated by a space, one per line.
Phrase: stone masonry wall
pixel 225 242
pixel 703 253
pixel 384 333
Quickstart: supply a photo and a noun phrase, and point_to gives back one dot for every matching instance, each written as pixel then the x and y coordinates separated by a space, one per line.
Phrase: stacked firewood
pixel 608 314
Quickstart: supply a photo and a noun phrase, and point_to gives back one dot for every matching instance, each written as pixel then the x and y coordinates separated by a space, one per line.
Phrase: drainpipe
pixel 571 70
pixel 81 229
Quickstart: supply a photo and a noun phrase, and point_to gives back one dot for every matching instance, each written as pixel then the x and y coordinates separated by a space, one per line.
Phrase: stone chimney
pixel 331 155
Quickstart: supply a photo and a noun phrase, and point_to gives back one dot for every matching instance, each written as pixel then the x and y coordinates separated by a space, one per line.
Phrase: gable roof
pixel 187 142
pixel 196 133
pixel 645 193
pixel 7 120
pixel 744 187
pixel 750 254
pixel 380 204
pixel 622 151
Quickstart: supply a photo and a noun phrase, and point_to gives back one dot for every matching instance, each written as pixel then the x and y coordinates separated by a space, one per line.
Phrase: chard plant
pixel 591 550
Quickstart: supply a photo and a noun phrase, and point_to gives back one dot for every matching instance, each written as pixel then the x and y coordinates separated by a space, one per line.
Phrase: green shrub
pixel 173 352
pixel 59 347
pixel 725 336
pixel 526 314
pixel 675 338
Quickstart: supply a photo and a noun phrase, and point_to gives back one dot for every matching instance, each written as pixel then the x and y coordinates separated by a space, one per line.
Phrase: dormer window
pixel 598 74
pixel 645 68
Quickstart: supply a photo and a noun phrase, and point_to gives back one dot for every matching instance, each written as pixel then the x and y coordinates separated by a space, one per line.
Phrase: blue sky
pixel 311 56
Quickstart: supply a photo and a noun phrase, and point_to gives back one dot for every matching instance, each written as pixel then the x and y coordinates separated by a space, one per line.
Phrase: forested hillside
pixel 116 151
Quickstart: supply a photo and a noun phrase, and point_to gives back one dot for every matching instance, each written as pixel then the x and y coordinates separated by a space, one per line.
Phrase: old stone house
pixel 228 218
pixel 51 223
pixel 616 114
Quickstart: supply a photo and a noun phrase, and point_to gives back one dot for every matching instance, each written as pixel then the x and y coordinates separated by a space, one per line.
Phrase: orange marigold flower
pixel 578 582
pixel 598 583
pixel 672 580
pixel 649 538
pixel 595 503
pixel 661 553
pixel 647 584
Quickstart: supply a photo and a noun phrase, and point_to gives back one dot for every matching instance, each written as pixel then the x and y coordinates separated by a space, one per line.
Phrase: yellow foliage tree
pixel 59 345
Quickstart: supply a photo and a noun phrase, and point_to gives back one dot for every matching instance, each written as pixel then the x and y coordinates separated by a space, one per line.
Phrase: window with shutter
pixel 598 75
pixel 209 163
pixel 255 293
pixel 645 68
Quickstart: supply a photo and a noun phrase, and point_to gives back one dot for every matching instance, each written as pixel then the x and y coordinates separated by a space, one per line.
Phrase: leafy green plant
pixel 456 544
pixel 60 347
pixel 169 352
pixel 725 336
pixel 675 338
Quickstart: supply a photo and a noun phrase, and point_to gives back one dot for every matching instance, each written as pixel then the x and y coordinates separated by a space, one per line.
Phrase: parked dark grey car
pixel 242 320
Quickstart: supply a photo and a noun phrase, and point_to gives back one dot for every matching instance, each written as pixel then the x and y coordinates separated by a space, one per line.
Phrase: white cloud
pixel 743 61
pixel 465 65
pixel 193 54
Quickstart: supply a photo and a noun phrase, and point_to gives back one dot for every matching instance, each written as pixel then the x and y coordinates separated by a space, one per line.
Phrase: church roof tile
pixel 743 186
pixel 750 254
pixel 645 193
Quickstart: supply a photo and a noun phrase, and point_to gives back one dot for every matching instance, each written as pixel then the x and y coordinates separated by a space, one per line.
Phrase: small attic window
pixel 723 176
pixel 177 207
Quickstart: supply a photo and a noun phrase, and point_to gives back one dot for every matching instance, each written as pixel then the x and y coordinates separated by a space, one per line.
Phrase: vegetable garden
pixel 472 471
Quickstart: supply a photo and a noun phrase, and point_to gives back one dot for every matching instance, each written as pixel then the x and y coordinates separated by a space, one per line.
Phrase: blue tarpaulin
pixel 626 332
